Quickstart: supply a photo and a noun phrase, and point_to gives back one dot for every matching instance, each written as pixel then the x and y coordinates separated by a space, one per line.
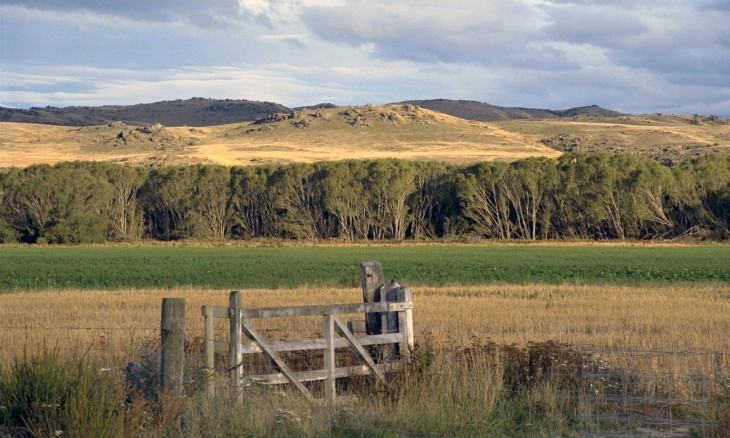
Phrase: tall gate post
pixel 371 276
pixel 405 324
pixel 172 328
pixel 209 344
pixel 330 388
pixel 235 349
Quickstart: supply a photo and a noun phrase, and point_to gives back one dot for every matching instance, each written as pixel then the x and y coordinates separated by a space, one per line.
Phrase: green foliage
pixel 579 196
pixel 226 267
pixel 124 212
pixel 299 200
pixel 61 204
pixel 252 208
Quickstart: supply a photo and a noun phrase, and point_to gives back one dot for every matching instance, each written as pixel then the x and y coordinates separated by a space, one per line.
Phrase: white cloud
pixel 631 55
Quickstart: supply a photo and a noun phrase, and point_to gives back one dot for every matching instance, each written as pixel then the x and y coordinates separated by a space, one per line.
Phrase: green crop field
pixel 28 268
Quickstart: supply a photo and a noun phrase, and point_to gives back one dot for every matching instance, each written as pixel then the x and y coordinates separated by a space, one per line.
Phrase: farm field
pixel 113 323
pixel 457 386
pixel 104 267
pixel 483 316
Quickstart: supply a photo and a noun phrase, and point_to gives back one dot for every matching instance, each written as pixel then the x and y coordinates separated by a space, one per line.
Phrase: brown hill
pixel 484 112
pixel 402 131
pixel 211 112
pixel 669 139
pixel 191 112
pixel 386 131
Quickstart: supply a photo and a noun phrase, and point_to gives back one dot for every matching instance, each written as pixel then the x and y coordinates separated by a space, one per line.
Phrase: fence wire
pixel 622 392
pixel 629 392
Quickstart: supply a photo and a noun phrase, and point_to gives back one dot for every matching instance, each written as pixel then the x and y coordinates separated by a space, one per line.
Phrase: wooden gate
pixel 387 321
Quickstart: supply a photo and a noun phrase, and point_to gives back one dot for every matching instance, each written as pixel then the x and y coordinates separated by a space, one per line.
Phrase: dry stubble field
pixel 113 324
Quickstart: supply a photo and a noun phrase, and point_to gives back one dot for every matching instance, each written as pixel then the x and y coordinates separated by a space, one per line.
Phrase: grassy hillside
pixel 394 131
pixel 667 138
pixel 402 131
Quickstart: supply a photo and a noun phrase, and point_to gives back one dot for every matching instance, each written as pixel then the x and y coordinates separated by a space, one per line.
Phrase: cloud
pixel 92 86
pixel 598 24
pixel 205 14
pixel 631 55
pixel 297 41
pixel 500 33
pixel 672 39
pixel 716 5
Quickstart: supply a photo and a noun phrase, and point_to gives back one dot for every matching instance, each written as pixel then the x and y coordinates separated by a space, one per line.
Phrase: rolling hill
pixel 327 132
pixel 191 112
pixel 385 131
pixel 211 112
pixel 484 112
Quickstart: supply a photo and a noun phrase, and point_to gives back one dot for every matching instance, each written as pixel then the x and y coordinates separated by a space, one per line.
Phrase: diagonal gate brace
pixel 253 334
pixel 342 330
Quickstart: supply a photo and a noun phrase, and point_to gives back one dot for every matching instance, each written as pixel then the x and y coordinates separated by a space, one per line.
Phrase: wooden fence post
pixel 172 345
pixel 371 276
pixel 405 324
pixel 388 321
pixel 209 344
pixel 235 349
pixel 330 389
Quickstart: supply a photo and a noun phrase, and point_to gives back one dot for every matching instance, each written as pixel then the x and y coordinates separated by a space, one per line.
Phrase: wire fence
pixel 621 392
pixel 19 338
pixel 629 392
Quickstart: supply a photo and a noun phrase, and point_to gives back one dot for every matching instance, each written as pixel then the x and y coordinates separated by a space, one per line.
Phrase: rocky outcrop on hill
pixel 366 116
pixel 370 115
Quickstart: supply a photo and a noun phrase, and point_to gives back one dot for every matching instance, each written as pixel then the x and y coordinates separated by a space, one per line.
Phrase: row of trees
pixel 579 196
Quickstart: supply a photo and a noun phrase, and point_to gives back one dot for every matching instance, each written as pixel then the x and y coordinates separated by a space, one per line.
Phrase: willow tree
pixel 210 195
pixel 7 233
pixel 529 186
pixel 60 204
pixel 347 199
pixel 300 201
pixel 390 183
pixel 252 208
pixel 482 193
pixel 125 218
pixel 702 200
pixel 433 199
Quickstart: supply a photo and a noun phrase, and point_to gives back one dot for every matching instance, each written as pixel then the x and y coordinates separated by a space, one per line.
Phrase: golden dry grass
pixel 113 323
pixel 665 137
pixel 387 131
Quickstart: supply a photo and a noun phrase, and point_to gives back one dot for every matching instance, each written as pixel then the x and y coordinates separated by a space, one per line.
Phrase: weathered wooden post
pixel 235 349
pixel 330 388
pixel 388 321
pixel 173 345
pixel 374 289
pixel 209 344
pixel 405 324
pixel 371 276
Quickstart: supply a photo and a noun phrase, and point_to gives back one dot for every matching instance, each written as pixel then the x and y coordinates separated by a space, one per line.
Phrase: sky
pixel 634 56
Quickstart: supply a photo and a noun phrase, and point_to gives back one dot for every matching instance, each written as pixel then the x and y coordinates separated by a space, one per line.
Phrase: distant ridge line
pixel 198 112
pixel 484 112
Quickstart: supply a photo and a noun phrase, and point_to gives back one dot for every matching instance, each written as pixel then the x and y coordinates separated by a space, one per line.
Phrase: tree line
pixel 578 196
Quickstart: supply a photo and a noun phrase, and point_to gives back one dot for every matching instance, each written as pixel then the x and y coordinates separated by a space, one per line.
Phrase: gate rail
pixel 396 316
